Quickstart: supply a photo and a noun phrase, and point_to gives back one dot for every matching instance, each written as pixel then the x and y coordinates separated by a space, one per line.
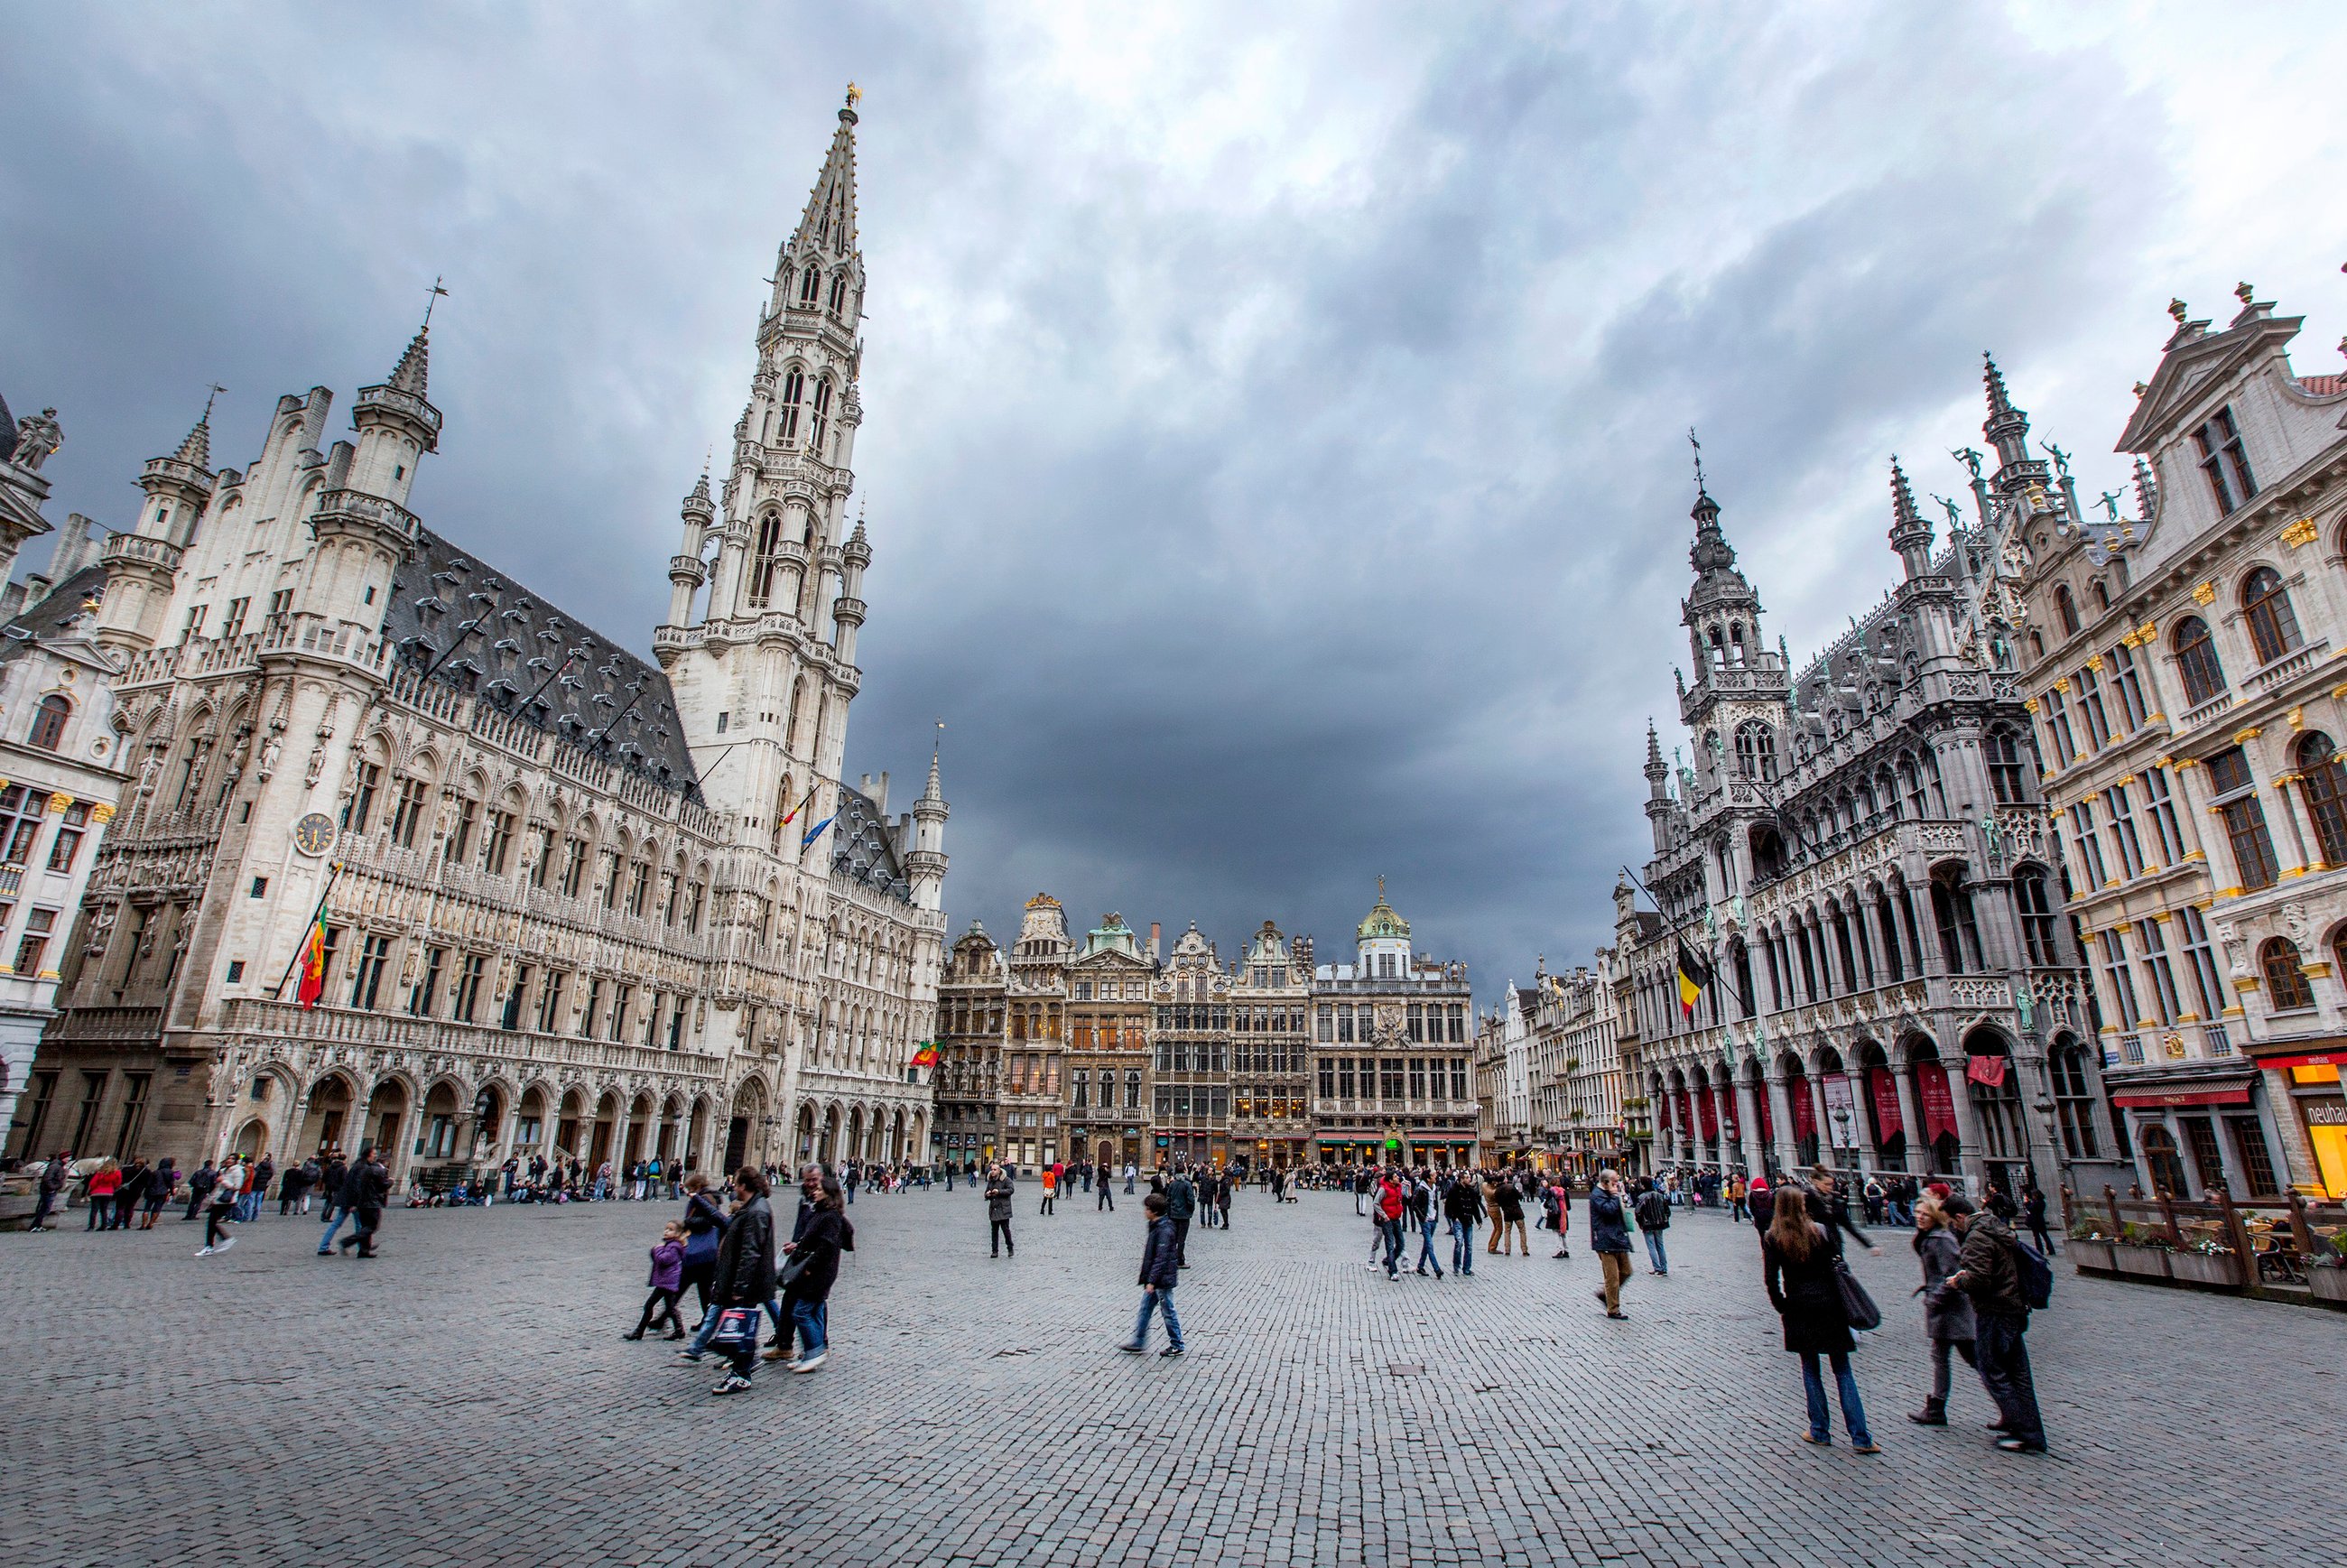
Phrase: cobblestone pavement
pixel 467 1398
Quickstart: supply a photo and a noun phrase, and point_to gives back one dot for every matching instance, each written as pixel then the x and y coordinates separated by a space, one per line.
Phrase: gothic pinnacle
pixel 1998 402
pixel 408 375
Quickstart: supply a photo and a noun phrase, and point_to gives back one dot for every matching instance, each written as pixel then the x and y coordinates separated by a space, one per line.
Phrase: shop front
pixel 2193 1135
pixel 2308 1084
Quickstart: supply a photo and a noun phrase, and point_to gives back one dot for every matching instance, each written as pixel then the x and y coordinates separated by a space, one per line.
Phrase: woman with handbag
pixel 807 1278
pixel 745 1280
pixel 704 1223
pixel 1800 1265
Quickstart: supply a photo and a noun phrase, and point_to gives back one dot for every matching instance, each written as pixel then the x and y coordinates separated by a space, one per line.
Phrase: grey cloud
pixel 1261 515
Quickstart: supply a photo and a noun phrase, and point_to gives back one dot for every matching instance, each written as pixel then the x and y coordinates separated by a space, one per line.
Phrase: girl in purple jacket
pixel 667 1283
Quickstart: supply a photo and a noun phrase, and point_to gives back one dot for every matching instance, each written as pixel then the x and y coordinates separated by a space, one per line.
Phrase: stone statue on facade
pixel 37 435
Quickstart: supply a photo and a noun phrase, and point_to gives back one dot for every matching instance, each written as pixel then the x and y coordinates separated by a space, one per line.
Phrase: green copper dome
pixel 1382 921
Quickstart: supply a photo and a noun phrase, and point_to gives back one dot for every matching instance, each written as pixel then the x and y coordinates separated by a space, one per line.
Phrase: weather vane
pixel 854 95
pixel 1698 459
pixel 431 299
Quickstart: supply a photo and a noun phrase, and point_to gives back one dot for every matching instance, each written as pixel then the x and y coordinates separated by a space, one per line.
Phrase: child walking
pixel 1160 1269
pixel 667 1283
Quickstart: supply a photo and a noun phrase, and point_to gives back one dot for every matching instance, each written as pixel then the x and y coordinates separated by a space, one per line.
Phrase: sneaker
pixel 807 1363
pixel 733 1384
pixel 204 1252
pixel 227 1242
pixel 1133 1349
pixel 2019 1446
pixel 1170 1352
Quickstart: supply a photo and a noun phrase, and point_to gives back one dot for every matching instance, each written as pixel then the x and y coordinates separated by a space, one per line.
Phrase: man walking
pixel 1609 1237
pixel 1653 1211
pixel 1181 1203
pixel 1989 1271
pixel 53 1182
pixel 226 1194
pixel 331 1182
pixel 1160 1272
pixel 200 1185
pixel 999 1191
pixel 366 1191
pixel 1106 1202
pixel 1462 1207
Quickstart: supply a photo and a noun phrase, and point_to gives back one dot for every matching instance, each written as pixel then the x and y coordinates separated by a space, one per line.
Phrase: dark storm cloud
pixel 1275 428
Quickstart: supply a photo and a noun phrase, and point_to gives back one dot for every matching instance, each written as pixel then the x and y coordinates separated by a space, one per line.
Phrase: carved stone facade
pixel 2186 674
pixel 574 904
pixel 1861 859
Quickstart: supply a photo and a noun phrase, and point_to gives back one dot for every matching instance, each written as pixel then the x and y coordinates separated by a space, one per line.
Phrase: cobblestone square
pixel 467 1399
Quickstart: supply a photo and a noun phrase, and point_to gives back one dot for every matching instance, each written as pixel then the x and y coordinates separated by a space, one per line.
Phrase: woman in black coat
pixel 704 1226
pixel 814 1266
pixel 746 1268
pixel 1798 1262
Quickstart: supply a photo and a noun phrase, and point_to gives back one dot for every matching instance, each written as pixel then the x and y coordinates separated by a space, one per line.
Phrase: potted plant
pixel 2326 1273
pixel 2140 1253
pixel 2207 1265
pixel 2090 1250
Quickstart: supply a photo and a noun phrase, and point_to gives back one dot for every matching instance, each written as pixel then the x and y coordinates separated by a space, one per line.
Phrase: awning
pixel 2149 1099
pixel 2306 1058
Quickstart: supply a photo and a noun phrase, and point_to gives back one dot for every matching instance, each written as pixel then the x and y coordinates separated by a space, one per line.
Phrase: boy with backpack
pixel 1654 1213
pixel 2005 1279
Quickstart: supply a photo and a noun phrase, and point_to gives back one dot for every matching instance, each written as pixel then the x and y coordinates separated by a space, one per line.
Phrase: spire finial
pixel 434 297
pixel 2178 309
pixel 1698 459
pixel 1997 400
pixel 2242 291
pixel 211 392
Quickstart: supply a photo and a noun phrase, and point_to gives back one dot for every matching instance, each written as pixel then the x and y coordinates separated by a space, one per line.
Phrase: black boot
pixel 1935 1413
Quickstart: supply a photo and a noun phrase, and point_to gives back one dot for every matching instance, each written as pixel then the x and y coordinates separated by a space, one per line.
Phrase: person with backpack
pixel 1653 1211
pixel 1997 1273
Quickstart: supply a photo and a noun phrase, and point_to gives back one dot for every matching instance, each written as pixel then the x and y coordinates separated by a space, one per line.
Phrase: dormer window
pixel 2066 609
pixel 2225 460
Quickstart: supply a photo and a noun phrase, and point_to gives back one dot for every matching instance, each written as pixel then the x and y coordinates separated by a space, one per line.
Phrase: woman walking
pixel 161 1182
pixel 1798 1265
pixel 1947 1311
pixel 704 1226
pixel 746 1269
pixel 812 1269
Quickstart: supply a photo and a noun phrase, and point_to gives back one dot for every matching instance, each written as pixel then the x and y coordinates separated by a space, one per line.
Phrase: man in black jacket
pixel 365 1190
pixel 998 1191
pixel 1989 1271
pixel 1181 1202
pixel 1160 1271
pixel 746 1269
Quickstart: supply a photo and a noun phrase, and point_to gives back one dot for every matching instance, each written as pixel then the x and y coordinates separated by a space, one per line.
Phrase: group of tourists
pixel 723 1249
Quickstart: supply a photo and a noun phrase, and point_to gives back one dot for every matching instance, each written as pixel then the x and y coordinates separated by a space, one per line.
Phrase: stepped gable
pixel 603 694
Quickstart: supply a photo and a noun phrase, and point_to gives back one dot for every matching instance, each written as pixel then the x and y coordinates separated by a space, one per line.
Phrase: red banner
pixel 1939 1105
pixel 1805 1108
pixel 1709 1106
pixel 1686 1104
pixel 1986 1069
pixel 1886 1103
pixel 1768 1119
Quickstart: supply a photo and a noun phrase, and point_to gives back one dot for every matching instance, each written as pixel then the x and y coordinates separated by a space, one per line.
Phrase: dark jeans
pixel 1853 1413
pixel 2002 1352
pixel 101 1213
pixel 1106 1202
pixel 1181 1243
pixel 1000 1237
pixel 362 1230
pixel 1391 1231
pixel 214 1218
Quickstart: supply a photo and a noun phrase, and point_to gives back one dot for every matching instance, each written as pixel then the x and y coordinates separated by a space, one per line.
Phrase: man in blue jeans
pixel 1160 1268
pixel 1654 1214
pixel 1462 1207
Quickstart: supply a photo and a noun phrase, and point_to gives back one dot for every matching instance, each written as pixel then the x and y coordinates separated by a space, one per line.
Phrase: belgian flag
pixel 1694 978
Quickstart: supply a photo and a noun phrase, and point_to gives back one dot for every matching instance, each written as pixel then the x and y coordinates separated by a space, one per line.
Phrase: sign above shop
pixel 2152 1099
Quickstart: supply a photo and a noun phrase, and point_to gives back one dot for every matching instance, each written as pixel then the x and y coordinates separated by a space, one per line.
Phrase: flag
pixel 313 961
pixel 802 805
pixel 1987 1069
pixel 1695 975
pixel 927 1055
pixel 816 831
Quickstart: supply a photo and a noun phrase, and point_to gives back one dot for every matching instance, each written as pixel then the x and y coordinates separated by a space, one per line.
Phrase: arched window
pixel 2036 910
pixel 2074 1100
pixel 762 561
pixel 2265 605
pixel 838 292
pixel 50 722
pixel 794 389
pixel 2286 986
pixel 822 414
pixel 2066 609
pixel 2006 779
pixel 1951 908
pixel 1736 643
pixel 2196 662
pixel 2099 594
pixel 2322 781
pixel 1756 751
pixel 811 287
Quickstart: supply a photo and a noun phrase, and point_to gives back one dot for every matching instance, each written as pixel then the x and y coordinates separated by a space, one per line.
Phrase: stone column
pixel 1748 1124
pixel 1902 1080
pixel 1862 1118
pixel 1818 1108
pixel 1780 1113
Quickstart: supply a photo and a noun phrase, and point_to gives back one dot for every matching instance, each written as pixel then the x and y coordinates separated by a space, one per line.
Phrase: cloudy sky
pixel 1275 433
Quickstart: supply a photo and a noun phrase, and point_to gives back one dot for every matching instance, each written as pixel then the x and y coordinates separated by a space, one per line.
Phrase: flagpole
pixel 334 869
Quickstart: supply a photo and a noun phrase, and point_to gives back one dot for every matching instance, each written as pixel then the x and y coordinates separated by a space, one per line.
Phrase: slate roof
pixel 862 846
pixel 482 634
pixel 48 618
